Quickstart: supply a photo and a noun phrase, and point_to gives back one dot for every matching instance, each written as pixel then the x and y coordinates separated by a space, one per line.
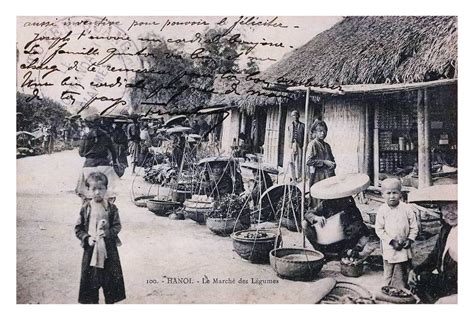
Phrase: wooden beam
pixel 376 146
pixel 377 87
pixel 278 135
pixel 424 156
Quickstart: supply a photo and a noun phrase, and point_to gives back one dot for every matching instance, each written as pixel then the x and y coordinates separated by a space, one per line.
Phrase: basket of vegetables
pixel 255 245
pixel 231 214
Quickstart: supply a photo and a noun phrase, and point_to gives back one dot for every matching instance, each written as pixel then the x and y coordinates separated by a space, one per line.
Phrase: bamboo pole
pixel 278 136
pixel 305 143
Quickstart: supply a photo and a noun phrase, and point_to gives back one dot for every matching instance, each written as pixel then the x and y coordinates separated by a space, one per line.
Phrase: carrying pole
pixel 305 143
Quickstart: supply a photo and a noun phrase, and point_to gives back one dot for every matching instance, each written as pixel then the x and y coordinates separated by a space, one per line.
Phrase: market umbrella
pixel 213 159
pixel 439 193
pixel 25 133
pixel 178 129
pixel 340 186
pixel 115 116
pixel 175 120
pixel 263 166
pixel 195 136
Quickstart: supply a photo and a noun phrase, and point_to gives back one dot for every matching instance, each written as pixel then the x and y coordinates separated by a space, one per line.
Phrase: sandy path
pixel 154 248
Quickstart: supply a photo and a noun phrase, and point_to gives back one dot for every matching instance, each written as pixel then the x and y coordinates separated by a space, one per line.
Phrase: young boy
pixel 397 228
pixel 97 228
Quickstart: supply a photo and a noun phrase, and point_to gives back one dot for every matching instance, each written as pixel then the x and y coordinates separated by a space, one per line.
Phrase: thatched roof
pixel 241 91
pixel 363 50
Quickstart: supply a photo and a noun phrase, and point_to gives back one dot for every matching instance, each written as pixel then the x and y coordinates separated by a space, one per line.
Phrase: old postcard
pixel 237 159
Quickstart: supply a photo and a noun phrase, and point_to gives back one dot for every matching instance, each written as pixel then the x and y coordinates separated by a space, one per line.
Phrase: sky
pixel 39 37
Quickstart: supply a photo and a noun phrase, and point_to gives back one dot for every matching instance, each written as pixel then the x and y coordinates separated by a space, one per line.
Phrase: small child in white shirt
pixel 397 228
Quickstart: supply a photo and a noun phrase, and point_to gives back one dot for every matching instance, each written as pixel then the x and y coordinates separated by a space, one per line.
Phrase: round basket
pixel 348 293
pixel 141 201
pixel 181 195
pixel 162 208
pixel 296 263
pixel 352 270
pixel 254 250
pixel 383 295
pixel 197 214
pixel 224 226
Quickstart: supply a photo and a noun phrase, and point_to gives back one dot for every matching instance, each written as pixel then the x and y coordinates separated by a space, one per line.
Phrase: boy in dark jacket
pixel 97 228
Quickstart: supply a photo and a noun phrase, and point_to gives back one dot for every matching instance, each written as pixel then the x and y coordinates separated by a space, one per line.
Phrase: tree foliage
pixel 177 81
pixel 35 111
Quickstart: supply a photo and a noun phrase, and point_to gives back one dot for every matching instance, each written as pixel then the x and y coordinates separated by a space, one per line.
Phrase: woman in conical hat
pixel 441 286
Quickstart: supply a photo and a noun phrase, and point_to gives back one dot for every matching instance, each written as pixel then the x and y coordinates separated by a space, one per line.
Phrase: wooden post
pixel 278 135
pixel 376 146
pixel 305 143
pixel 424 152
pixel 368 143
pixel 362 148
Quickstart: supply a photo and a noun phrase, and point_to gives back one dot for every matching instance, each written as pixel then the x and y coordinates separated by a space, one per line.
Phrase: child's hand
pixel 412 278
pixel 91 241
pixel 407 243
pixel 329 163
pixel 396 245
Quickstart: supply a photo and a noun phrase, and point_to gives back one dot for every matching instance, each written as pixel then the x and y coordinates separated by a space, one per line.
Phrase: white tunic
pixel 397 223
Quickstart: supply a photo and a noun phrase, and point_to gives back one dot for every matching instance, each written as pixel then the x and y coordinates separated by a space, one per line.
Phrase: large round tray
pixel 141 201
pixel 162 208
pixel 296 263
pixel 348 293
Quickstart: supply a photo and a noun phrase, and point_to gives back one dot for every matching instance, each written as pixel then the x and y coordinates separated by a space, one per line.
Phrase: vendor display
pixel 335 225
pixel 435 280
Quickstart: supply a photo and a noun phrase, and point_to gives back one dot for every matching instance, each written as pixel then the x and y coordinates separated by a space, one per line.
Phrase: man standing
pixel 296 130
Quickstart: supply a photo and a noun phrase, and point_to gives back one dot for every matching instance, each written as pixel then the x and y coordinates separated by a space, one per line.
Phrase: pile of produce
pixel 395 292
pixel 230 206
pixel 162 174
pixel 350 261
pixel 256 235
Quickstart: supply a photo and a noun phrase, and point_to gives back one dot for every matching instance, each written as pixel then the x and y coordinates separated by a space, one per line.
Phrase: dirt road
pixel 159 256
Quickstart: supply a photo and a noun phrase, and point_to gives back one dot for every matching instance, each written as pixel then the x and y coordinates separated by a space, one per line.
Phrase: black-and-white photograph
pixel 237 159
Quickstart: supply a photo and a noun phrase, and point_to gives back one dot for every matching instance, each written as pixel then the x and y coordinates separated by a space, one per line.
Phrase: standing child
pixel 397 229
pixel 97 228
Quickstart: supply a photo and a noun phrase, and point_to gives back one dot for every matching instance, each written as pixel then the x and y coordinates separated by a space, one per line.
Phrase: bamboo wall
pixel 270 147
pixel 346 134
pixel 230 131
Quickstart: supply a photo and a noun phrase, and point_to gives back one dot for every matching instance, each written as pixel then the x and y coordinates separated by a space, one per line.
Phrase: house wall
pixel 270 147
pixel 272 140
pixel 346 134
pixel 230 131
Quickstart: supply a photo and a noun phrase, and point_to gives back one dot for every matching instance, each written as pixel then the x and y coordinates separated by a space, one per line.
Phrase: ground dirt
pixel 156 251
